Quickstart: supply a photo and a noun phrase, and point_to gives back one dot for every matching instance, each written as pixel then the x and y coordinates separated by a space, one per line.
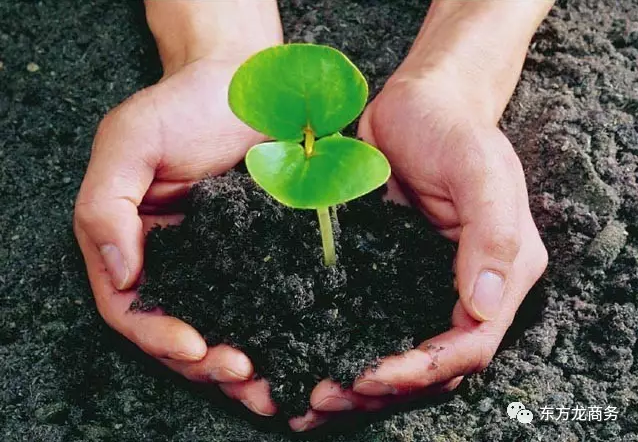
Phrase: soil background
pixel 64 376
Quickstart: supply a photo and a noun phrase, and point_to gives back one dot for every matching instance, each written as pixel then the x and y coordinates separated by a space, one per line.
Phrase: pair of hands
pixel 456 166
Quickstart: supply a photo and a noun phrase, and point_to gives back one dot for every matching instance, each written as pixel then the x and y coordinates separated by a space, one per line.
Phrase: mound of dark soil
pixel 246 271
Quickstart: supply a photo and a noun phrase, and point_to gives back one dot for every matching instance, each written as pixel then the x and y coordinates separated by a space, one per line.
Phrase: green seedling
pixel 302 95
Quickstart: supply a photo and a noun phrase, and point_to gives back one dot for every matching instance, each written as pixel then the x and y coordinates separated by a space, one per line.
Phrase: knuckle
pixel 511 159
pixel 80 215
pixel 543 258
pixel 511 163
pixel 90 215
pixel 537 255
pixel 478 155
pixel 85 213
pixel 129 115
pixel 77 218
pixel 106 123
pixel 503 243
pixel 105 127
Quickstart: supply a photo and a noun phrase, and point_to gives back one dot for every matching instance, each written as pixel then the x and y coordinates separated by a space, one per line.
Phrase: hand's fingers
pixel 158 335
pixel 455 353
pixel 328 396
pixel 163 193
pixel 529 266
pixel 255 395
pixel 312 419
pixel 123 161
pixel 162 336
pixel 221 364
pixel 488 190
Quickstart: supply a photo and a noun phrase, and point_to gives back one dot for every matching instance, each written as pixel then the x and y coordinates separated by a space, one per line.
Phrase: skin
pixel 436 120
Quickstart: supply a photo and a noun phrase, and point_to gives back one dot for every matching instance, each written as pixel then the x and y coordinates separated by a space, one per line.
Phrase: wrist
pixel 232 30
pixel 477 46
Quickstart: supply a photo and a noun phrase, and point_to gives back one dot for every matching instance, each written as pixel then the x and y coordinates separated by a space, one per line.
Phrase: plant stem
pixel 325 223
pixel 309 142
pixel 325 226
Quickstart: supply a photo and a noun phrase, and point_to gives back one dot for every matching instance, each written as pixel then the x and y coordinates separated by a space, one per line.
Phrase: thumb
pixel 364 129
pixel 120 171
pixel 487 187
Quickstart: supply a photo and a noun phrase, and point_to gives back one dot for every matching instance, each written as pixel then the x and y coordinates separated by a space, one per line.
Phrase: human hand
pixel 436 121
pixel 146 154
pixel 464 175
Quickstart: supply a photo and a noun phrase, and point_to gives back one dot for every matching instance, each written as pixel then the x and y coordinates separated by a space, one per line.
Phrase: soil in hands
pixel 247 271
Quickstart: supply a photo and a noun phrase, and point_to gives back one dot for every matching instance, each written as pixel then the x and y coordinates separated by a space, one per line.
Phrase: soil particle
pixel 606 246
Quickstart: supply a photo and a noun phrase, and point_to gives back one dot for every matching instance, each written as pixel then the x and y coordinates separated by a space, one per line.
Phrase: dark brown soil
pixel 64 376
pixel 246 271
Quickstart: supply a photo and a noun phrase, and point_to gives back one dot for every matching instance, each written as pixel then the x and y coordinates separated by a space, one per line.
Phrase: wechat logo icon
pixel 516 410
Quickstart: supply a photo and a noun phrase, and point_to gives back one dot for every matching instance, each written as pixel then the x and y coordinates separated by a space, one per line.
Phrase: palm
pixel 196 133
pixel 426 138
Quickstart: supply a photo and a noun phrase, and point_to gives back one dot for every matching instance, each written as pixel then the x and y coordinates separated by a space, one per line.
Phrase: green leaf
pixel 340 169
pixel 282 90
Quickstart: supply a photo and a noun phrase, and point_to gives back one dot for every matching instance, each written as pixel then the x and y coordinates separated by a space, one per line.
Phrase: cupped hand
pixel 452 162
pixel 146 154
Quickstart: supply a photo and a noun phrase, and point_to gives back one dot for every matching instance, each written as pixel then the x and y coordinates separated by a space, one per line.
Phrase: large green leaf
pixel 340 169
pixel 283 90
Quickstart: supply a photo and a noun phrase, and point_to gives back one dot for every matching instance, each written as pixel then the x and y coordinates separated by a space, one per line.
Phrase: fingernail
pixel 252 407
pixel 182 356
pixel 488 294
pixel 373 388
pixel 223 374
pixel 333 403
pixel 115 264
